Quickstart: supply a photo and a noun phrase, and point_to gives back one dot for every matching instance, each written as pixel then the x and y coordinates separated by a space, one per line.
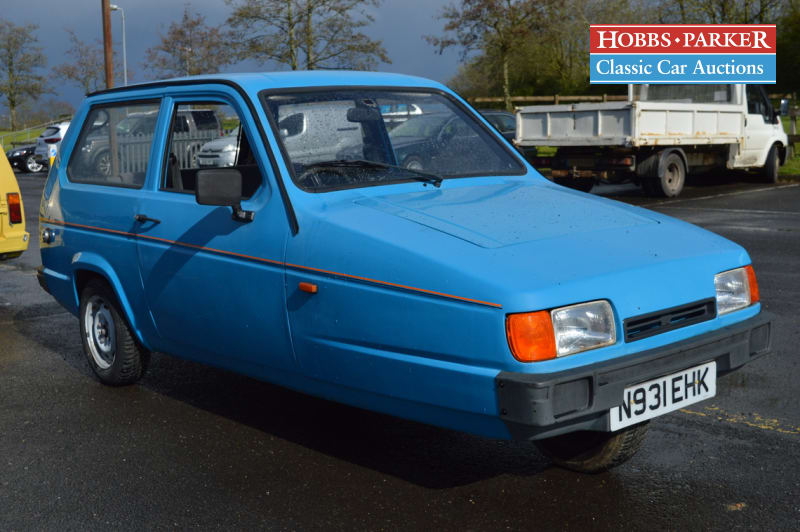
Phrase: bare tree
pixel 720 11
pixel 20 58
pixel 493 27
pixel 314 33
pixel 188 48
pixel 87 67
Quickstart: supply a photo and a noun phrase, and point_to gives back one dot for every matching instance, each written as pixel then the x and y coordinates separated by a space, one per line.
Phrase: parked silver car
pixel 220 152
pixel 50 138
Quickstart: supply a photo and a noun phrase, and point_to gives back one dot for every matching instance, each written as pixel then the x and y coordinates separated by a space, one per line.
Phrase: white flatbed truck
pixel 659 135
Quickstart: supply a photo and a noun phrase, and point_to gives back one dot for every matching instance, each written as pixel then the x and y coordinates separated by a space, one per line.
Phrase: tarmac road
pixel 196 447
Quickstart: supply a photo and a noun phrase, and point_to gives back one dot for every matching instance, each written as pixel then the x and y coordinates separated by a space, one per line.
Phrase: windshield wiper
pixel 419 175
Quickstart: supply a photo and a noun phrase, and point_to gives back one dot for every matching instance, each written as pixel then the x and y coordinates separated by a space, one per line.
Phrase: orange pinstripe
pixel 279 263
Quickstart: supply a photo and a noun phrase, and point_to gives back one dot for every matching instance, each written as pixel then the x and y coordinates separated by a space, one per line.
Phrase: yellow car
pixel 13 237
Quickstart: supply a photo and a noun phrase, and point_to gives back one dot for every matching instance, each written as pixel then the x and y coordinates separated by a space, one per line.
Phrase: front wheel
pixel 771 166
pixel 594 452
pixel 111 349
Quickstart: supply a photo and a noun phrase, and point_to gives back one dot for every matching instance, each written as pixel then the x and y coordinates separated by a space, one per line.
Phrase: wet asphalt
pixel 193 447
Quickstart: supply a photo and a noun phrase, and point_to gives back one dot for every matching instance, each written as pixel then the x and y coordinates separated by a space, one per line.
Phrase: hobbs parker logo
pixel 682 53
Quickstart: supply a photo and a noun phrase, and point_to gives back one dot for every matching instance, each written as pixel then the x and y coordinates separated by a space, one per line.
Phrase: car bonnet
pixel 503 214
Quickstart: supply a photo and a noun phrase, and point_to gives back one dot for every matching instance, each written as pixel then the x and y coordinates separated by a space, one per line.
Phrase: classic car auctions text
pixel 682 53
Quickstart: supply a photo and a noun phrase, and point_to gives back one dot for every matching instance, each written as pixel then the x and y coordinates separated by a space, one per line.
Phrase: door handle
pixel 142 218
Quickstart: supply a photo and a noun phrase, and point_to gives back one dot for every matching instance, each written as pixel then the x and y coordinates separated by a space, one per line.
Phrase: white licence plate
pixel 656 397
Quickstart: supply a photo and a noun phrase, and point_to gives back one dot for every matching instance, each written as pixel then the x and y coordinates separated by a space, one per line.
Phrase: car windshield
pixel 339 138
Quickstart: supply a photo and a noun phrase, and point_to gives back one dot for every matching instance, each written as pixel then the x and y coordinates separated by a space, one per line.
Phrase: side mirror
pixel 222 187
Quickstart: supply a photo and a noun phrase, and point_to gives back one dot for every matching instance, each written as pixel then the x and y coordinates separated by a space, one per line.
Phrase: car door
pixel 97 207
pixel 759 127
pixel 215 285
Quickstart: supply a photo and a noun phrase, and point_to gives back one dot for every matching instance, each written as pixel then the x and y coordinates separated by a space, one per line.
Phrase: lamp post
pixel 115 7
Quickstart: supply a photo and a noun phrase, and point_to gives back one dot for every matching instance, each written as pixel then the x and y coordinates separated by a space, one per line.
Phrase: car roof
pixel 255 82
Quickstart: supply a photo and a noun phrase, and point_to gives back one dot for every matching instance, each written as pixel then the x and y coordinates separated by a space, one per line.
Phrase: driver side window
pixel 757 104
pixel 207 135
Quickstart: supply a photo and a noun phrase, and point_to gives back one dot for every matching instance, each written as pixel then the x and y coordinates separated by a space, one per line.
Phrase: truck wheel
pixel 770 171
pixel 584 184
pixel 670 184
pixel 113 353
pixel 593 452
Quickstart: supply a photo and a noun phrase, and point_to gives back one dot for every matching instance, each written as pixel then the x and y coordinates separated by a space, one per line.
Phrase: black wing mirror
pixel 222 187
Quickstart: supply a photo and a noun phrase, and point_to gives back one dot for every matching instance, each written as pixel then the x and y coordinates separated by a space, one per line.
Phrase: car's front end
pixel 23 159
pixel 490 300
pixel 221 152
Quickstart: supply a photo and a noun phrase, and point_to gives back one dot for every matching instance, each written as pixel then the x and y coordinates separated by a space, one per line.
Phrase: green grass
pixel 792 166
pixel 19 138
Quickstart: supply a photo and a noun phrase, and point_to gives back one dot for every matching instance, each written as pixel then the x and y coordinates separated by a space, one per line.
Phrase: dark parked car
pixel 23 158
pixel 506 124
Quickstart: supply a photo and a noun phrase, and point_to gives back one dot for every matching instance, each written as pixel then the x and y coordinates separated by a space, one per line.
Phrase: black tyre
pixel 670 183
pixel 102 164
pixel 584 184
pixel 412 162
pixel 593 452
pixel 32 166
pixel 771 166
pixel 111 349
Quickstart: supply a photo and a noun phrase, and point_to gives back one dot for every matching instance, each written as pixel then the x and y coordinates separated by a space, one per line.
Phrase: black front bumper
pixel 536 406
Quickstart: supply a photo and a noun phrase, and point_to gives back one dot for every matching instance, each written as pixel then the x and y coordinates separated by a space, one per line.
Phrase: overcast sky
pixel 399 23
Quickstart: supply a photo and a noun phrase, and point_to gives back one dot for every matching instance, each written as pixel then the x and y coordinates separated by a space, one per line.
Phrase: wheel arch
pixel 88 266
pixel 662 157
pixel 781 152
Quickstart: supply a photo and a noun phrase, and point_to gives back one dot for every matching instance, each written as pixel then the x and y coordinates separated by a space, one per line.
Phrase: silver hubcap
pixel 98 324
pixel 33 166
pixel 414 165
pixel 673 178
pixel 104 165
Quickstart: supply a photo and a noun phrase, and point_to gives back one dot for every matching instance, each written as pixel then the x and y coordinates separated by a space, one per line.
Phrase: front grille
pixel 647 325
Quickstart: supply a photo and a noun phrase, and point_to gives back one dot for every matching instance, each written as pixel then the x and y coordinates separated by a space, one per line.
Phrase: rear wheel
pixel 771 166
pixel 412 162
pixel 670 183
pixel 111 349
pixel 32 166
pixel 593 452
pixel 102 164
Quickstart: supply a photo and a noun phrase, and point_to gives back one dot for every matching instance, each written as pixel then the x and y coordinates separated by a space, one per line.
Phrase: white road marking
pixel 741 211
pixel 749 228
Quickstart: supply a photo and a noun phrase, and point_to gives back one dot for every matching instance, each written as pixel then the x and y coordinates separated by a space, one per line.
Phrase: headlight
pixel 543 335
pixel 229 148
pixel 581 327
pixel 736 289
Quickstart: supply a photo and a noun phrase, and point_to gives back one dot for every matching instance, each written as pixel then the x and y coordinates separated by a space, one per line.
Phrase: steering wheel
pixel 321 177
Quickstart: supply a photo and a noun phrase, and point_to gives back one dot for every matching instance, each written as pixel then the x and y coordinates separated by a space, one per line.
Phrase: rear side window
pixel 49 132
pixel 114 145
